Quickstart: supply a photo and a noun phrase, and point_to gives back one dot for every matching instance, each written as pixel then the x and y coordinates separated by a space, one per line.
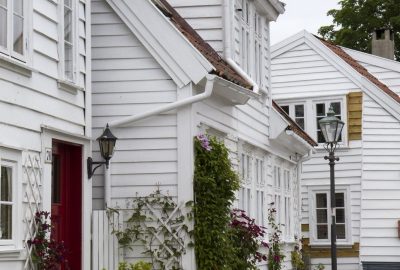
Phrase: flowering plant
pixel 247 238
pixel 204 142
pixel 47 253
pixel 275 254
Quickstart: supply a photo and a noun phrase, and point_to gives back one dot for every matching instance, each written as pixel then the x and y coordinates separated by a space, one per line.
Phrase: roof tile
pixel 222 68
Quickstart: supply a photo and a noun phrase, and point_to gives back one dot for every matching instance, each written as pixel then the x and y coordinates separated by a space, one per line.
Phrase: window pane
pixel 285 108
pixel 68 61
pixel 321 109
pixel 67 3
pixel 5 221
pixel 321 138
pixel 3 3
pixel 322 231
pixel 321 200
pixel 340 218
pixel 339 199
pixel 299 110
pixel 18 41
pixel 300 122
pixel 18 7
pixel 341 231
pixel 6 184
pixel 336 107
pixel 68 25
pixel 322 216
pixel 3 27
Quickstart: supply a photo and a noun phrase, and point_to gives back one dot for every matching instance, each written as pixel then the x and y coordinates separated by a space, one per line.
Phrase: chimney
pixel 383 43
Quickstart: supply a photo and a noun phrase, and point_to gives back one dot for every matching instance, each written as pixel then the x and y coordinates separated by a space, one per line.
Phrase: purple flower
pixel 205 143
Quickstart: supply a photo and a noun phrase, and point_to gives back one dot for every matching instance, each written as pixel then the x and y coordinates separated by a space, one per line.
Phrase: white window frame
pixel 9 51
pixel 61 45
pixel 252 195
pixel 12 159
pixel 312 191
pixel 311 113
pixel 292 111
pixel 343 108
pixel 283 199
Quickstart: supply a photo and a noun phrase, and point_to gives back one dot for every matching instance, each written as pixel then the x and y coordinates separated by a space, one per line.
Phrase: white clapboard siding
pixel 127 80
pixel 106 253
pixel 31 102
pixel 206 17
pixel 380 203
pixel 302 71
pixel 387 71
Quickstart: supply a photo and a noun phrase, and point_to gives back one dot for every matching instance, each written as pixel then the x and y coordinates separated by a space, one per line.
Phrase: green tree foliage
pixel 355 22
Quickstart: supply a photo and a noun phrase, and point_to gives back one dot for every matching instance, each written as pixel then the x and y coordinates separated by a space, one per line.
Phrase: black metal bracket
pixel 90 163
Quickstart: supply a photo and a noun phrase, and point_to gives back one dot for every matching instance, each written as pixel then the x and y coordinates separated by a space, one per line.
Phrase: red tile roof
pixel 222 68
pixel 359 68
pixel 293 125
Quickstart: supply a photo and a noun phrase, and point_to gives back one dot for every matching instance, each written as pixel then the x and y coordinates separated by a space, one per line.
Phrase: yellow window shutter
pixel 354 115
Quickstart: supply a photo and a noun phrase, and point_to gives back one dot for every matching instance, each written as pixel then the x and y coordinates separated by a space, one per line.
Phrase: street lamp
pixel 107 144
pixel 331 128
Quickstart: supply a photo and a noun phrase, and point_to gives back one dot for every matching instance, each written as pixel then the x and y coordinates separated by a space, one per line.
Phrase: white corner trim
pixel 16 66
pixel 178 57
pixel 68 87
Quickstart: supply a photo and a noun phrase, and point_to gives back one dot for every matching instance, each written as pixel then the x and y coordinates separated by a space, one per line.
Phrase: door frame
pixel 48 135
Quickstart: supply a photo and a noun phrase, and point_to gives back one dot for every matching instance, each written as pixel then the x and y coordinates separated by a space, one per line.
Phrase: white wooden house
pixel 309 75
pixel 44 125
pixel 162 75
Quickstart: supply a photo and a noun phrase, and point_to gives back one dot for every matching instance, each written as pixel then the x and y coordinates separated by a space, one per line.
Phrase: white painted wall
pixel 302 74
pixel 27 103
pixel 380 203
pixel 127 80
pixel 206 17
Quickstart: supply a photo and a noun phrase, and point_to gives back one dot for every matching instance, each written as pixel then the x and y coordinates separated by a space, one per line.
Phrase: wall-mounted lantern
pixel 107 145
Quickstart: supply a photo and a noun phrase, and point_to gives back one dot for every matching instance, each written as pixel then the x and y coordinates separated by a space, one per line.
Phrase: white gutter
pixel 169 107
pixel 227 47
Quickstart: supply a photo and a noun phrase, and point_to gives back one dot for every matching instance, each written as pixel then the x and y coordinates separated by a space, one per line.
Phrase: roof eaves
pixel 359 68
pixel 222 68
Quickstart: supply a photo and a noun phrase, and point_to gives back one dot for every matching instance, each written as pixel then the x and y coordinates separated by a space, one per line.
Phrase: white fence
pixel 105 250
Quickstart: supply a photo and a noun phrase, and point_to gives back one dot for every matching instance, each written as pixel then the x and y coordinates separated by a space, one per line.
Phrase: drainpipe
pixel 169 107
pixel 303 159
pixel 227 46
pixel 107 186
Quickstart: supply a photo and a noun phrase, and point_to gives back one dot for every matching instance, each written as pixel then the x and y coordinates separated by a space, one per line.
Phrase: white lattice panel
pixel 32 199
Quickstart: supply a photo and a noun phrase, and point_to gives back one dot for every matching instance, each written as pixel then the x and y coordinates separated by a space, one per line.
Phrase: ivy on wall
pixel 215 183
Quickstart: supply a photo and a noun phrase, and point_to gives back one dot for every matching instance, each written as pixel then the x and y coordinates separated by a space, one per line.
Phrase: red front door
pixel 66 200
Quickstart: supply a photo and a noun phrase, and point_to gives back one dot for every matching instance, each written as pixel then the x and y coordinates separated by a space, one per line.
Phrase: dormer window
pixel 249 40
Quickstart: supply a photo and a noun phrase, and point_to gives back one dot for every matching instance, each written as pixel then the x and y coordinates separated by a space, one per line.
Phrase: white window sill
pixel 15 65
pixel 69 87
pixel 10 252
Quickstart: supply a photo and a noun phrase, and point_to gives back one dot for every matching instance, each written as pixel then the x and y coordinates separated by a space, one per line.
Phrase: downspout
pixel 208 90
pixel 169 107
pixel 227 46
pixel 303 159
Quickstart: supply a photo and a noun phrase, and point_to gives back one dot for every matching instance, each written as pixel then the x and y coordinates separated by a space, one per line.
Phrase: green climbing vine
pixel 215 183
pixel 159 225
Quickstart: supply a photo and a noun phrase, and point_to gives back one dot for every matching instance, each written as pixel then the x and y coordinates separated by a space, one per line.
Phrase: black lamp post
pixel 331 128
pixel 107 144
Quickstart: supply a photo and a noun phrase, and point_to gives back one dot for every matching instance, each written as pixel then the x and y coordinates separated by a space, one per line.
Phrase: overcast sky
pixel 299 15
